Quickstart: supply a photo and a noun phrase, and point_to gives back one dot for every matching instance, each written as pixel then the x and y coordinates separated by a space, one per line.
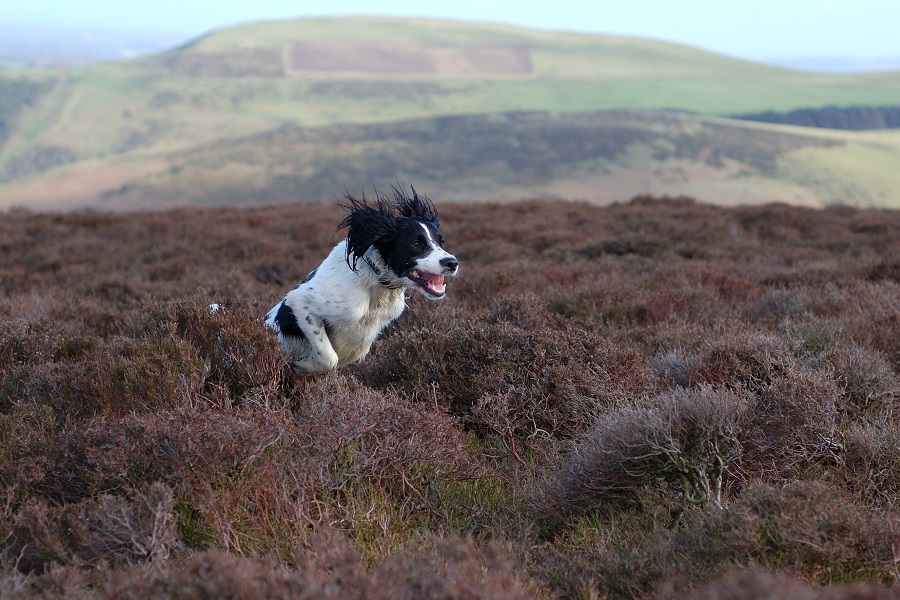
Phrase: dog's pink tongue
pixel 435 280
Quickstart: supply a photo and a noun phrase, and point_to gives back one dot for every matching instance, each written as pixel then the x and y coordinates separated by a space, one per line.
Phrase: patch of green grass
pixel 73 348
pixel 192 526
pixel 478 506
pixel 862 172
pixel 814 343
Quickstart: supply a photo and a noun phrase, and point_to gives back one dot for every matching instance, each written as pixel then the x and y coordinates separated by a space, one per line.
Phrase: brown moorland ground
pixel 657 399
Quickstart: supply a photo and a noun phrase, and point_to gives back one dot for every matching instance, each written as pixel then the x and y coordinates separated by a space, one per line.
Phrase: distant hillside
pixel 16 96
pixel 599 157
pixel 602 157
pixel 354 47
pixel 148 123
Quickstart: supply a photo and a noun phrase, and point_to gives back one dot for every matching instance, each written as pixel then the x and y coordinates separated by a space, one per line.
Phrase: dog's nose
pixel 450 263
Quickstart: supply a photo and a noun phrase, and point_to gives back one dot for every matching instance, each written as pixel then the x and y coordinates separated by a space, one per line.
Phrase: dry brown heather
pixel 658 399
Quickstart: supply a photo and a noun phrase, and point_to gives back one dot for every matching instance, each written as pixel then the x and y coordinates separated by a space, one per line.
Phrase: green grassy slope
pixel 257 79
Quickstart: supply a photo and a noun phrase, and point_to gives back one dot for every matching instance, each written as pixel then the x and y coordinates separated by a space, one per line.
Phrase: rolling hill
pixel 301 110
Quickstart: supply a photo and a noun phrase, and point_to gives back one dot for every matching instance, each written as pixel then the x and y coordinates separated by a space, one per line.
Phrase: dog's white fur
pixel 340 310
pixel 353 304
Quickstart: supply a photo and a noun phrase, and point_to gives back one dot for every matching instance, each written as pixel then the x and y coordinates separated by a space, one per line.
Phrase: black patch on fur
pixel 393 226
pixel 287 322
pixel 415 207
pixel 369 224
pixel 309 277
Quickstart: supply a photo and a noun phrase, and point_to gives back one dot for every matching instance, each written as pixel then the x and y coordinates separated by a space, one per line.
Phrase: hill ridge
pixel 128 124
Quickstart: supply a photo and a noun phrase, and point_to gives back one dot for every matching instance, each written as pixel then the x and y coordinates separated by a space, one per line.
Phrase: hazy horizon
pixel 36 46
pixel 765 30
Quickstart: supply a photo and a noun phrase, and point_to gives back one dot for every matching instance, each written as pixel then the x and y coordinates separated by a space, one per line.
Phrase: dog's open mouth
pixel 431 283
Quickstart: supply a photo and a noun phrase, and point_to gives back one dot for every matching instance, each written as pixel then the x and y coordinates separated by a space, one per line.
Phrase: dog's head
pixel 405 233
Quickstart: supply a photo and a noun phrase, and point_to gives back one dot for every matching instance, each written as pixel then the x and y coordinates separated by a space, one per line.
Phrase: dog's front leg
pixel 320 355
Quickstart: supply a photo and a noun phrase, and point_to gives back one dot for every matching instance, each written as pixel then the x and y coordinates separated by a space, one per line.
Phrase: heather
pixel 654 399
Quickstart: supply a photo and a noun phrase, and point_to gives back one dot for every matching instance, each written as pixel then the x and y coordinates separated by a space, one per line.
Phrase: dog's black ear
pixel 416 207
pixel 369 225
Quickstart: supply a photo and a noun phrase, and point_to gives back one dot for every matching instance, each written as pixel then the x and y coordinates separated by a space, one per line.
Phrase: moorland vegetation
pixel 654 399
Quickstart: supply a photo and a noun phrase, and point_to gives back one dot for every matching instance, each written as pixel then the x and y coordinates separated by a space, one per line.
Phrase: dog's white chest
pixel 351 338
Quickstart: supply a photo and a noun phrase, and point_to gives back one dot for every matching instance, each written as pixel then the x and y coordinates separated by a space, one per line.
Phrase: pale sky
pixel 754 29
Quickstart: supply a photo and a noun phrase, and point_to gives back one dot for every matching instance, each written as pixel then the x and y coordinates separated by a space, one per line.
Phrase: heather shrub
pixel 130 375
pixel 22 345
pixel 219 575
pixel 886 270
pixel 241 360
pixel 22 342
pixel 808 524
pixel 106 530
pixel 362 458
pixel 776 304
pixel 793 424
pixel 22 429
pixel 55 583
pixel 872 452
pixel 453 569
pixel 188 450
pixel 333 568
pixel 758 584
pixel 806 528
pixel 117 377
pixel 733 359
pixel 372 448
pixel 800 398
pixel 522 310
pixel 181 354
pixel 868 382
pixel 685 438
pixel 675 367
pixel 874 322
pixel 511 380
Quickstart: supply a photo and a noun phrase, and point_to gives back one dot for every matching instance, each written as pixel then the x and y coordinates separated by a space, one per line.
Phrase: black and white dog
pixel 332 318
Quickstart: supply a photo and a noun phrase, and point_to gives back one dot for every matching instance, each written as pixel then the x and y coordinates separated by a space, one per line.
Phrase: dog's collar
pixel 379 273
